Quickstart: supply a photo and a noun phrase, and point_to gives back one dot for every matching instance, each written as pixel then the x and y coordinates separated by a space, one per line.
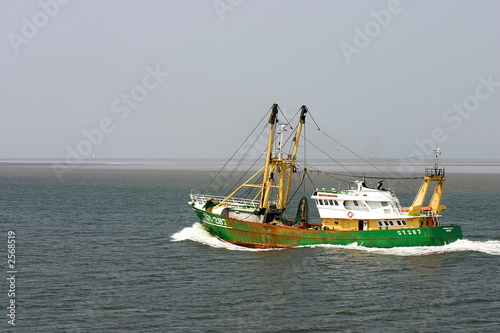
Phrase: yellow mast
pixel 280 164
pixel 294 154
pixel 266 185
pixel 283 166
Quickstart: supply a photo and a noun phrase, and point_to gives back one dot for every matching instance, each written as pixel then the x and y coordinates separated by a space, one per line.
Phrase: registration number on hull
pixel 214 220
pixel 409 232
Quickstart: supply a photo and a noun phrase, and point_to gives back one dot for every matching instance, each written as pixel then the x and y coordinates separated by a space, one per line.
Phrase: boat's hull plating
pixel 260 235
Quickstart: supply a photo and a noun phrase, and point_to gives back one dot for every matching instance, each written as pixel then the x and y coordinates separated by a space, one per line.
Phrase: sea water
pixel 119 249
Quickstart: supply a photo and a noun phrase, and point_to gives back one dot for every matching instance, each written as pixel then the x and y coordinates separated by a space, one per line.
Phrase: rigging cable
pixel 291 120
pixel 240 162
pixel 329 174
pixel 297 189
pixel 340 164
pixel 234 154
pixel 283 114
pixel 248 151
pixel 361 158
pixel 333 175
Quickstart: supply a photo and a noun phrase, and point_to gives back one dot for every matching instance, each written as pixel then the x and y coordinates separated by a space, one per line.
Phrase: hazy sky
pixel 190 79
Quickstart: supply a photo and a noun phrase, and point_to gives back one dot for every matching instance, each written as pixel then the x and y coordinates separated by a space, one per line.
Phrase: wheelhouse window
pixel 391 223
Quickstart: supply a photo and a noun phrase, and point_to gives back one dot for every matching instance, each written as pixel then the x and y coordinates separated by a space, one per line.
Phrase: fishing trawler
pixel 368 216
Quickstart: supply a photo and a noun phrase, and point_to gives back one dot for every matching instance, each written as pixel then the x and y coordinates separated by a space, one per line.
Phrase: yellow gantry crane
pixel 431 175
pixel 278 164
pixel 281 164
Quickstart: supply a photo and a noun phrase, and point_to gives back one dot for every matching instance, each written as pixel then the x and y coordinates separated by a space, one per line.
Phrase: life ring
pixel 350 214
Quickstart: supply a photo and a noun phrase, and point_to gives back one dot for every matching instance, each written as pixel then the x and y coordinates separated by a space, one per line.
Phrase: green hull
pixel 261 235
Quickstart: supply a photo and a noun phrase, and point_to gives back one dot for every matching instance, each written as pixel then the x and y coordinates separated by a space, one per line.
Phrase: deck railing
pixel 231 201
pixel 431 172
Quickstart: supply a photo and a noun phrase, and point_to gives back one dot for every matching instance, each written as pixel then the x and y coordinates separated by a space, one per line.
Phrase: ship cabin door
pixel 363 225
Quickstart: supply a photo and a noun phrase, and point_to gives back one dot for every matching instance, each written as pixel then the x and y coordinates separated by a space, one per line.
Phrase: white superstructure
pixel 360 202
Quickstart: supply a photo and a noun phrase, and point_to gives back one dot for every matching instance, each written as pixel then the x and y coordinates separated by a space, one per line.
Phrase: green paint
pixel 265 235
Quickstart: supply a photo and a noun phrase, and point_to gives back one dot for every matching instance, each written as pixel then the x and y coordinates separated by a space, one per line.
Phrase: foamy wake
pixel 197 233
pixel 463 245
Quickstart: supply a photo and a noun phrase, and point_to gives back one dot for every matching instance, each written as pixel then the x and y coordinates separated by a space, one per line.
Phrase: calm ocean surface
pixel 116 250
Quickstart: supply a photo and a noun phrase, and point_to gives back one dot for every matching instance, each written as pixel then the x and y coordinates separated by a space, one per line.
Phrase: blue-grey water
pixel 120 250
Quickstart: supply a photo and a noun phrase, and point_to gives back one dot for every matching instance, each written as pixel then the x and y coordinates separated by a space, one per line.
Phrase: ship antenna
pixel 280 143
pixel 436 152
